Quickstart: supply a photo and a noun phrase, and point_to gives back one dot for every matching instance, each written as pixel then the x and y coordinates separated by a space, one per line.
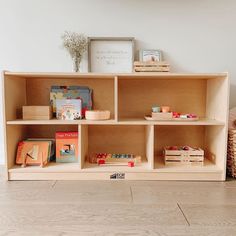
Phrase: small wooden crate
pixel 182 157
pixel 37 112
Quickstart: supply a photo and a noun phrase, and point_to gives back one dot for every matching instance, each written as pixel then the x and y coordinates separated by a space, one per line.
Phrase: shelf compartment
pixel 36 91
pixel 206 137
pixel 132 139
pixel 18 133
pixel 206 97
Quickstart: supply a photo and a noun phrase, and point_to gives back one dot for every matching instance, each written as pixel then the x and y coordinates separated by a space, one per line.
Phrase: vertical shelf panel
pixel 150 145
pixel 83 144
pixel 116 94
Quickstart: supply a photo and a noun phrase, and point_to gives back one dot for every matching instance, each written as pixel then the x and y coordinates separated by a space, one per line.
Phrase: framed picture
pixel 110 55
pixel 150 55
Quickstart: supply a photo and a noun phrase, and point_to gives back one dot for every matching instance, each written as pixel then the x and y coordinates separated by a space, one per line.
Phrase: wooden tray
pixel 172 119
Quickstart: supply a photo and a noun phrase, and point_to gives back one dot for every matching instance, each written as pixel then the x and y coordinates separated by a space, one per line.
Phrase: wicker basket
pixel 231 153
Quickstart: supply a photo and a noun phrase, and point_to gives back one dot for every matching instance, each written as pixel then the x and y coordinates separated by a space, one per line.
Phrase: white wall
pixel 195 35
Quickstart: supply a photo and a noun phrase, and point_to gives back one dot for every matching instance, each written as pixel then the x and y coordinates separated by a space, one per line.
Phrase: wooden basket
pixel 182 157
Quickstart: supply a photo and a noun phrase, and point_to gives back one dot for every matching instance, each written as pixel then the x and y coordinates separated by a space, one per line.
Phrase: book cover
pixel 52 147
pixel 66 146
pixel 33 152
pixel 68 109
pixel 72 92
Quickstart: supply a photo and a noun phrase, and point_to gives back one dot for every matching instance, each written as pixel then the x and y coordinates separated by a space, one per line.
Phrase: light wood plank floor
pixel 104 208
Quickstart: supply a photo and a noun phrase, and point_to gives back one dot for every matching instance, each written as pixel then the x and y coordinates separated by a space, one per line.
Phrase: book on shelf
pixel 52 148
pixel 72 92
pixel 33 152
pixel 68 109
pixel 67 146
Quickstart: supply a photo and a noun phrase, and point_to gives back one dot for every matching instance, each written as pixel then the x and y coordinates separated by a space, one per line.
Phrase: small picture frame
pixel 110 55
pixel 147 55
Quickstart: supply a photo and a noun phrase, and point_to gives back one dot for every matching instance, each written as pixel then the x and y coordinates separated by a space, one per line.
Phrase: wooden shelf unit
pixel 129 97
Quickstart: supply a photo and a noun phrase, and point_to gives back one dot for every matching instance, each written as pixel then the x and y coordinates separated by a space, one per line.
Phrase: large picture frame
pixel 110 54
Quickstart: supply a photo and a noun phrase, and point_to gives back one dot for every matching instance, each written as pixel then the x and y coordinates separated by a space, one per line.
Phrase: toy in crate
pixel 183 155
pixel 115 159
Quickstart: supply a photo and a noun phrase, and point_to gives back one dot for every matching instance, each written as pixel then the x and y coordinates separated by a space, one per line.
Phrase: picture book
pixel 66 146
pixel 68 109
pixel 52 147
pixel 33 152
pixel 72 92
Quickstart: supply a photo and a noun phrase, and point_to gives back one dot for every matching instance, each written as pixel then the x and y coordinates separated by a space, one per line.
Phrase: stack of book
pixel 231 153
pixel 151 66
pixel 35 152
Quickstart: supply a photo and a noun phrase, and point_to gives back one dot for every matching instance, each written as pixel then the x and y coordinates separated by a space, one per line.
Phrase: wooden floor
pixel 117 208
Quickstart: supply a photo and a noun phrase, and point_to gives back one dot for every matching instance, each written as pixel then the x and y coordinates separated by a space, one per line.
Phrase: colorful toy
pixel 167 114
pixel 115 159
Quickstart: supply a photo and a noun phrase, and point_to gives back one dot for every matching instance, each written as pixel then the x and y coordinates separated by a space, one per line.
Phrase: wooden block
pixel 162 115
pixel 37 112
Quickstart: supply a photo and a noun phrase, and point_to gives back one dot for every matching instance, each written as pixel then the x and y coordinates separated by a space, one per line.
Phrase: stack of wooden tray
pixel 231 154
pixel 152 66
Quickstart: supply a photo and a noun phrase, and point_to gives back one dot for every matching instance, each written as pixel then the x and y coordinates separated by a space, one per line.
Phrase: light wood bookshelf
pixel 129 97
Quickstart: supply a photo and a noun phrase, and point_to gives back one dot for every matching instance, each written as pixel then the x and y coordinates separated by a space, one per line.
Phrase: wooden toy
pixel 165 109
pixel 166 114
pixel 37 112
pixel 97 115
pixel 115 159
pixel 156 109
pixel 183 155
pixel 151 66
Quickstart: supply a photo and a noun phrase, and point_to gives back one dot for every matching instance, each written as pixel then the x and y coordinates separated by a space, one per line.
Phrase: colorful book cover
pixel 33 152
pixel 72 92
pixel 68 109
pixel 66 146
pixel 52 147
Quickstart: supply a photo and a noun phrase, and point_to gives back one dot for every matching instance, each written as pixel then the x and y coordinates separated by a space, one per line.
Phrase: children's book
pixel 72 92
pixel 66 146
pixel 52 147
pixel 33 152
pixel 68 109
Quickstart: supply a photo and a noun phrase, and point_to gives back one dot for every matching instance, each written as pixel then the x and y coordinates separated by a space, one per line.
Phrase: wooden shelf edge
pixel 128 176
pixel 206 122
pixel 113 75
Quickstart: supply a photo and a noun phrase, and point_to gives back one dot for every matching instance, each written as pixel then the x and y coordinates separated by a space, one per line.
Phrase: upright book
pixel 66 146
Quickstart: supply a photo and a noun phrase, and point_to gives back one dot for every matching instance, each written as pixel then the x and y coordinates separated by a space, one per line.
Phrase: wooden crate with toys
pixel 184 155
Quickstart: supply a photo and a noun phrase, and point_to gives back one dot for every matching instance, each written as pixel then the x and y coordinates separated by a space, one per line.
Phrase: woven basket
pixel 231 153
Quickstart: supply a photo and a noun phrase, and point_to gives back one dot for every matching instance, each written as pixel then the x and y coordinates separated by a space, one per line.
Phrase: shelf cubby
pixel 129 139
pixel 197 94
pixel 207 138
pixel 36 91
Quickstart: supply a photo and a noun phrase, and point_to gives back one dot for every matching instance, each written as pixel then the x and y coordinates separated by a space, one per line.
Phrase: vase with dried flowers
pixel 76 44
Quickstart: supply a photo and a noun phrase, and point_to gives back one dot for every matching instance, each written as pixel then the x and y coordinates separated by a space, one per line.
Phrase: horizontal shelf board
pixel 53 167
pixel 114 122
pixel 207 167
pixel 60 122
pixel 203 121
pixel 139 75
pixel 143 167
pixel 48 75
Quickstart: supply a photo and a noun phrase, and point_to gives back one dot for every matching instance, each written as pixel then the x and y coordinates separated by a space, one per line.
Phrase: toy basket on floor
pixel 231 153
